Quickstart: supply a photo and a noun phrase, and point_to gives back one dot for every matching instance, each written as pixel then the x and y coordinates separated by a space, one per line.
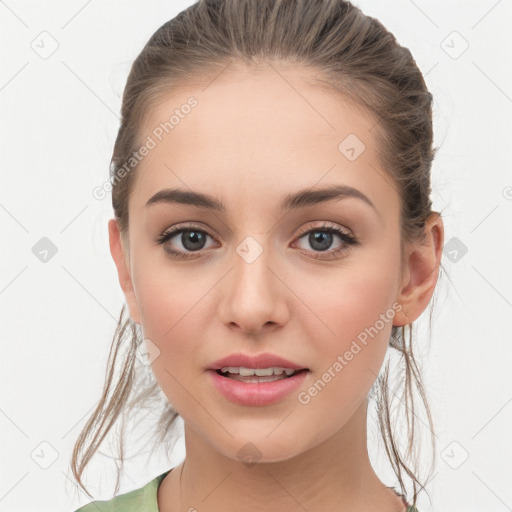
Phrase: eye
pixel 191 237
pixel 321 238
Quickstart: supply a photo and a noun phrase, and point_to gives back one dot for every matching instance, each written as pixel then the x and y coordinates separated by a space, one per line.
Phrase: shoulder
pixel 143 499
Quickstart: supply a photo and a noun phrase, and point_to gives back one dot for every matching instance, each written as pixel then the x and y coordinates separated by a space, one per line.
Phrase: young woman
pixel 273 237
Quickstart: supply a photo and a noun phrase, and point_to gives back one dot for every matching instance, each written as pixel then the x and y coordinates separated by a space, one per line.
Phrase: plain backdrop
pixel 63 69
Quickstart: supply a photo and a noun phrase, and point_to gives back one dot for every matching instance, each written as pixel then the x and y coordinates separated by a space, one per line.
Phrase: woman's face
pixel 256 277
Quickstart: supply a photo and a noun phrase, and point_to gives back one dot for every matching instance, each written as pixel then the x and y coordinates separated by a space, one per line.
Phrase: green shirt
pixel 139 500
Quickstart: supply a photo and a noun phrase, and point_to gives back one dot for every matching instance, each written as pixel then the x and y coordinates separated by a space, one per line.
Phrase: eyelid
pixel 186 226
pixel 325 225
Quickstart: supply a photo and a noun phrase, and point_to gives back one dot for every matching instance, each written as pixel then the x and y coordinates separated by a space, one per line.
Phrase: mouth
pixel 256 390
pixel 257 376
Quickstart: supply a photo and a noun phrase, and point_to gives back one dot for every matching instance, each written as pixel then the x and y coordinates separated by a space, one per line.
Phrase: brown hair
pixel 351 54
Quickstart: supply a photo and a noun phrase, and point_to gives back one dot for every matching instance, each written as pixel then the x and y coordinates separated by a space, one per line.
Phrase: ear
pixel 421 272
pixel 121 259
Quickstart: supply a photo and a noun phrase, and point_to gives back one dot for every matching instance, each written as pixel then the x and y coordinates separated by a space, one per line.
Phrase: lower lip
pixel 256 393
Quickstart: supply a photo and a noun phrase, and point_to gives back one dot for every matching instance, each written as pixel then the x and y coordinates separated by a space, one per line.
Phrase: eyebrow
pixel 300 199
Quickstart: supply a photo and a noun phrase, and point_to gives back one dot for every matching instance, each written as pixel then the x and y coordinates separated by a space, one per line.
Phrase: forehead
pixel 259 130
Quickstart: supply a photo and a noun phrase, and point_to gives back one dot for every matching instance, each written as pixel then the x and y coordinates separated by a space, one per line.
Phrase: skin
pixel 251 140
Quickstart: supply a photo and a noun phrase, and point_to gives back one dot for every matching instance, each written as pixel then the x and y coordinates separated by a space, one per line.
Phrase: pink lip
pixel 264 360
pixel 256 393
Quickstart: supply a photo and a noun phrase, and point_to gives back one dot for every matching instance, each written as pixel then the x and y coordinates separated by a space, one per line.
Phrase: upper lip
pixel 264 360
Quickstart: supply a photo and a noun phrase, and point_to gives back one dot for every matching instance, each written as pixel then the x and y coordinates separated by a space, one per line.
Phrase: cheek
pixel 353 319
pixel 165 296
pixel 357 319
pixel 171 311
pixel 171 307
pixel 348 300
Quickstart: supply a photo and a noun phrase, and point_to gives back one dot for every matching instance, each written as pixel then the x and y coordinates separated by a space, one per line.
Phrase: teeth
pixel 260 372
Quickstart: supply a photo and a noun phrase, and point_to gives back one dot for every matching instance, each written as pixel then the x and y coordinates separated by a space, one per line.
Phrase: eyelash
pixel 349 240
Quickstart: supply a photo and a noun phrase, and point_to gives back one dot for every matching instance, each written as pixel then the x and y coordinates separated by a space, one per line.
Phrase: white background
pixel 59 119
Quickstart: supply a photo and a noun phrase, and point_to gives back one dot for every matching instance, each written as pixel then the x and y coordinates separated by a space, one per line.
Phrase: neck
pixel 210 481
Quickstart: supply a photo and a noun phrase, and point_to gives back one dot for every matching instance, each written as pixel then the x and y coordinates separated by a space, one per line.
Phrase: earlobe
pixel 421 273
pixel 401 317
pixel 121 260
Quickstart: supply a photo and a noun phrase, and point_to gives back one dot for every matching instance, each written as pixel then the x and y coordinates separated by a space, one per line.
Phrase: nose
pixel 253 297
